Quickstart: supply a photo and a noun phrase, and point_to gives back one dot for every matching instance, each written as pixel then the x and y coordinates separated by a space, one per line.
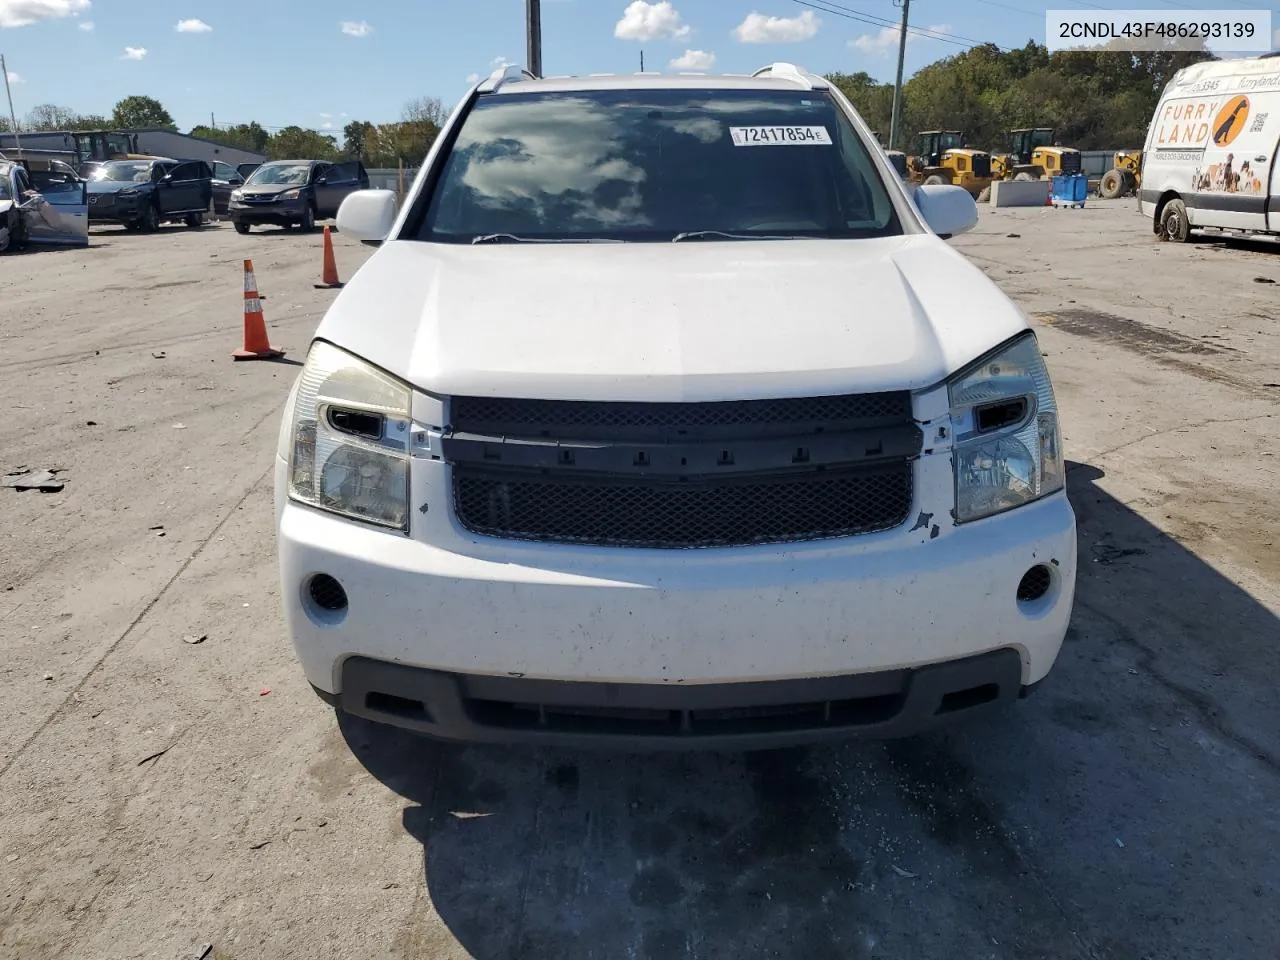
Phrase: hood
pixel 115 186
pixel 696 321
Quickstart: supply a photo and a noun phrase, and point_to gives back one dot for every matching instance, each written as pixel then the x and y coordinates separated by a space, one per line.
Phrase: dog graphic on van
pixel 1221 178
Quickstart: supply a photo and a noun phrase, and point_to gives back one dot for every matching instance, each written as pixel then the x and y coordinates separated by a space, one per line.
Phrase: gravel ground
pixel 157 796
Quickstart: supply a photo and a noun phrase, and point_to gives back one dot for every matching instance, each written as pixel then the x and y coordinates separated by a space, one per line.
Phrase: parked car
pixel 290 193
pixel 141 194
pixel 41 202
pixel 226 179
pixel 664 415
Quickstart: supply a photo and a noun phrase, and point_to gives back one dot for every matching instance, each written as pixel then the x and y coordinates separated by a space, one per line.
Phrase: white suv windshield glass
pixel 657 165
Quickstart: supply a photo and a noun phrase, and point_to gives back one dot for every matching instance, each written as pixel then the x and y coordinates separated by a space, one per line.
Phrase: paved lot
pixel 154 798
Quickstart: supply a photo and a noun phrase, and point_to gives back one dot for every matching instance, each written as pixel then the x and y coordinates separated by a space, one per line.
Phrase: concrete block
pixel 1019 193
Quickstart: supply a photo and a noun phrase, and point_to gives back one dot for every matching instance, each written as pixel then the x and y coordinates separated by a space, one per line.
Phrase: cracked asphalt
pixel 158 796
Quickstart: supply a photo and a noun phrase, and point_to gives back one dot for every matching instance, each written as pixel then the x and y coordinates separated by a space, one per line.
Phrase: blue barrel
pixel 1070 188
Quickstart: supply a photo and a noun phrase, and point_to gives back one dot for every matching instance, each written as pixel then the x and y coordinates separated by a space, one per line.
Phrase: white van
pixel 1210 159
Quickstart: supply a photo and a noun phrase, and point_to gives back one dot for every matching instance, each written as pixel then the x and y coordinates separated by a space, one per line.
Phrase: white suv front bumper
pixel 447 607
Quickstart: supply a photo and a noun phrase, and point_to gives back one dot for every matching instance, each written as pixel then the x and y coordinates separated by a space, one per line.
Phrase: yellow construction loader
pixel 1125 178
pixel 942 157
pixel 1033 155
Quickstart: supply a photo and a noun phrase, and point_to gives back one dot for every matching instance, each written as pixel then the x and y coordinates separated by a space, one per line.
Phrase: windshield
pixel 6 192
pixel 290 173
pixel 950 141
pixel 1041 138
pixel 124 171
pixel 652 165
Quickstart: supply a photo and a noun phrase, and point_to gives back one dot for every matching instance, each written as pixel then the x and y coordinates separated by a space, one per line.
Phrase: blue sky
pixel 320 63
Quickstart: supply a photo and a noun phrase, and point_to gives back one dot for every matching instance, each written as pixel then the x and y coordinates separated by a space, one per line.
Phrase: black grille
pixel 668 514
pixel 614 421
pixel 1070 163
pixel 981 165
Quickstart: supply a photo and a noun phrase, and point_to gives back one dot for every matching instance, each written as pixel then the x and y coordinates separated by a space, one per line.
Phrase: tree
pixel 49 116
pixel 357 139
pixel 242 136
pixel 297 143
pixel 90 121
pixel 1094 99
pixel 141 111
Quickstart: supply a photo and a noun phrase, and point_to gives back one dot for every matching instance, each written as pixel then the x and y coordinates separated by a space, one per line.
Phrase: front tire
pixel 934 179
pixel 1112 185
pixel 1174 227
pixel 149 222
pixel 242 228
pixel 194 221
pixel 308 219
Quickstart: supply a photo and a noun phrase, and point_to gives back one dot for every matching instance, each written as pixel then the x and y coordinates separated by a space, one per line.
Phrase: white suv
pixel 664 416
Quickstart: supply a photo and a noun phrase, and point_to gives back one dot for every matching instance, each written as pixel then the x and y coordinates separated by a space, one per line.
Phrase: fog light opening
pixel 327 593
pixel 1035 584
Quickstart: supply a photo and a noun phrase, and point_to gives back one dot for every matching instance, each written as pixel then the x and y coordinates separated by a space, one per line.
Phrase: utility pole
pixel 533 35
pixel 642 61
pixel 897 87
pixel 17 140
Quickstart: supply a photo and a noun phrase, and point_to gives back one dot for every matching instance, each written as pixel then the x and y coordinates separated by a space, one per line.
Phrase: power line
pixel 828 6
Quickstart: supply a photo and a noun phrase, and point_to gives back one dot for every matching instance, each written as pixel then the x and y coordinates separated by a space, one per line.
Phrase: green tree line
pixel 406 140
pixel 1095 100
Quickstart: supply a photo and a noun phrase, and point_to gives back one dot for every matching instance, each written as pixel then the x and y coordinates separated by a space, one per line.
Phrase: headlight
pixel 350 439
pixel 1008 446
pixel 237 194
pixel 290 195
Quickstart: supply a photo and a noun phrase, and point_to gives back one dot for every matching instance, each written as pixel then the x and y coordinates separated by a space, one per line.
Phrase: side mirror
pixel 947 209
pixel 367 215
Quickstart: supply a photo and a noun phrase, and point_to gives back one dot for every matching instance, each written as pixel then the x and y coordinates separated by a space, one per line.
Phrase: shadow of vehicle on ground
pixel 1127 810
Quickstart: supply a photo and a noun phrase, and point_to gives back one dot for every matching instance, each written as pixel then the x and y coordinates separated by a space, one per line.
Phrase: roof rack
pixel 511 73
pixel 789 71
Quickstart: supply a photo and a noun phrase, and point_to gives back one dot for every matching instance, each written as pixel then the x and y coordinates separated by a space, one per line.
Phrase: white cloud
pixel 326 126
pixel 472 79
pixel 885 41
pixel 354 28
pixel 326 116
pixel 134 53
pixel 342 114
pixel 22 13
pixel 694 60
pixel 499 62
pixel 87 26
pixel 758 28
pixel 651 21
pixel 15 78
pixel 192 26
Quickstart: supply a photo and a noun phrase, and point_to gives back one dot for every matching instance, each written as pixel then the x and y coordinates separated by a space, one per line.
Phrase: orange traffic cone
pixel 256 344
pixel 329 278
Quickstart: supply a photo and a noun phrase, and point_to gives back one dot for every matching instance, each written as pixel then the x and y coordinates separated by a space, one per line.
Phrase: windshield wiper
pixel 722 235
pixel 512 238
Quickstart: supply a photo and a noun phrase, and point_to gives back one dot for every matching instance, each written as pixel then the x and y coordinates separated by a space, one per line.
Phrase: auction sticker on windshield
pixel 779 136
